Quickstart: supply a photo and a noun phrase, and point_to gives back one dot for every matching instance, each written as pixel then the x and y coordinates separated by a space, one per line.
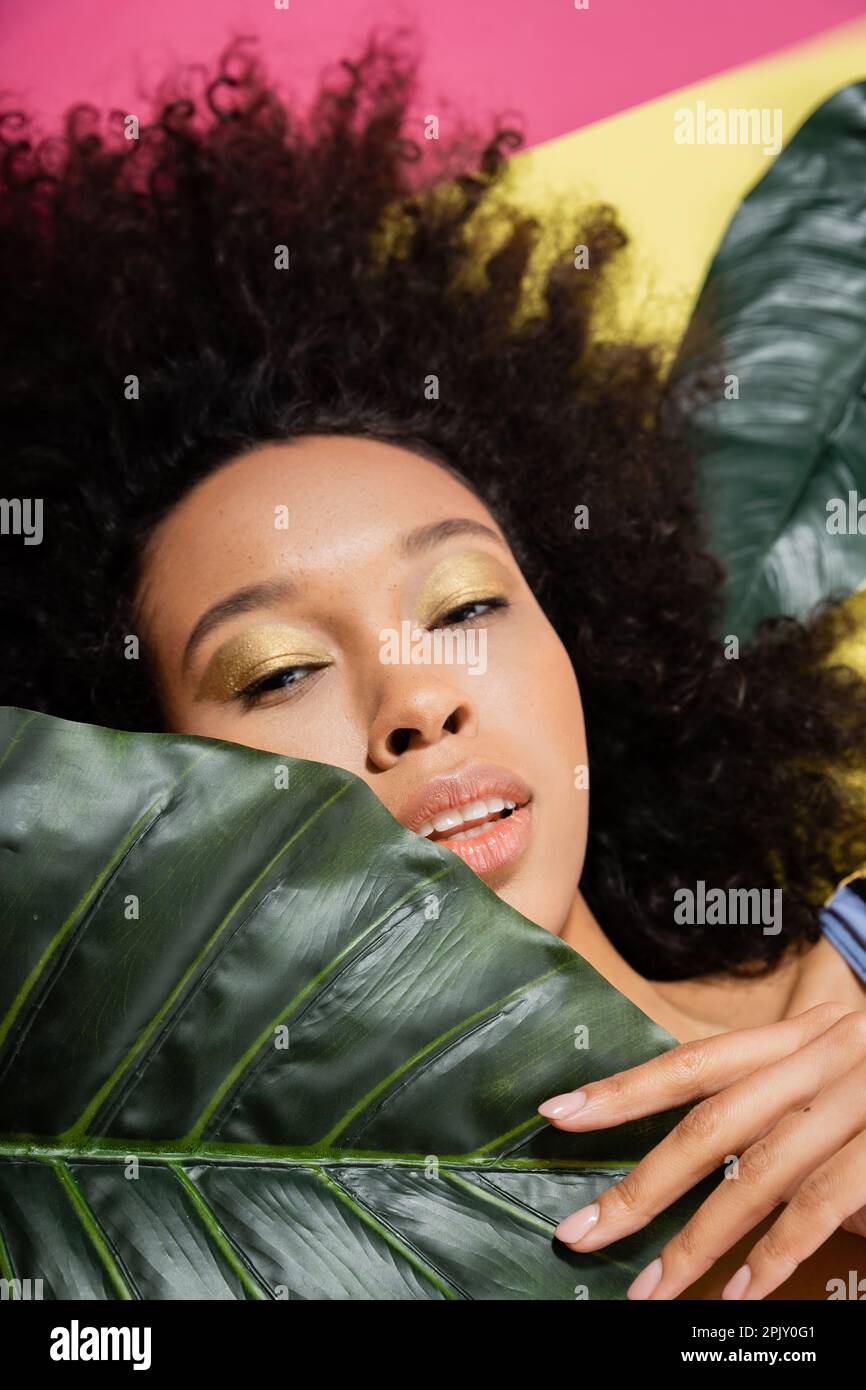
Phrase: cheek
pixel 316 729
pixel 562 727
pixel 533 688
pixel 534 698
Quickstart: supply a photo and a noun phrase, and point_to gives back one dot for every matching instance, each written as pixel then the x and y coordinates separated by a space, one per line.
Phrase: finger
pixel 856 1223
pixel 714 1132
pixel 804 1143
pixel 824 1201
pixel 692 1070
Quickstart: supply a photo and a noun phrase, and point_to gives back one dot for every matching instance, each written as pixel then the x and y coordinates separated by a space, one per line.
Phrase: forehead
pixel 326 497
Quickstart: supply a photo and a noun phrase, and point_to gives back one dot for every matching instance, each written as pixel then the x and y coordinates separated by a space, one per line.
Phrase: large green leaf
pixel 784 304
pixel 172 915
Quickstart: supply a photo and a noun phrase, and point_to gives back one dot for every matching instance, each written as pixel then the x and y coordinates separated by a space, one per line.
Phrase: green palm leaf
pixel 783 310
pixel 259 1041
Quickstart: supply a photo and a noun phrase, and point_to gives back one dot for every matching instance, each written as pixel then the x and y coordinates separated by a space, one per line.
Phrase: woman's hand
pixel 787 1101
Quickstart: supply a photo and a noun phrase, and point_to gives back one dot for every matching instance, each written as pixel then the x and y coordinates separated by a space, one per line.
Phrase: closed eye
pixel 456 617
pixel 285 678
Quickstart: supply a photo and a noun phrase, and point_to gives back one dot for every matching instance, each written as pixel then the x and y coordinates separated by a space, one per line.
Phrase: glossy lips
pixel 482 813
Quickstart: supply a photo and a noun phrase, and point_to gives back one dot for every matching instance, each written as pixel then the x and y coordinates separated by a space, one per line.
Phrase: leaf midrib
pixel 36 1148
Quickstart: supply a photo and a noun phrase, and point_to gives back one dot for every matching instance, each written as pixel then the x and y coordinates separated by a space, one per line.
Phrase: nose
pixel 419 706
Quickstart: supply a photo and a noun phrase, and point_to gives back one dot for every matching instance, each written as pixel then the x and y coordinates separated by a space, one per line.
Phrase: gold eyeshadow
pixel 254 654
pixel 467 577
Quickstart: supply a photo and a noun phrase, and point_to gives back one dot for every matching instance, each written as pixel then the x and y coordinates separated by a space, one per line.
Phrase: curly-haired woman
pixel 287 384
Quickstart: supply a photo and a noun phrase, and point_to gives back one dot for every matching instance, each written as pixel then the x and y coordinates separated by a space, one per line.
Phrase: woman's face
pixel 284 596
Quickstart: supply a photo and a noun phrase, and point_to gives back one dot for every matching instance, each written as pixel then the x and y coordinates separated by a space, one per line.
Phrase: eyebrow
pixel 412 543
pixel 425 537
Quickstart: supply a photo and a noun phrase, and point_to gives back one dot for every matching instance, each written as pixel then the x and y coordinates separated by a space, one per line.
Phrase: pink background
pixel 560 67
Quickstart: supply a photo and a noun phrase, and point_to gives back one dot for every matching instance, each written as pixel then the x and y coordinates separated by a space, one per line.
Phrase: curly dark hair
pixel 155 257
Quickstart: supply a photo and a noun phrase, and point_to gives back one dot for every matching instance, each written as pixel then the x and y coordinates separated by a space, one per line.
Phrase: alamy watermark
pixel 444 646
pixel 846 516
pixel 77 1343
pixel 26 1289
pixel 718 906
pixel 855 1288
pixel 732 125
pixel 22 516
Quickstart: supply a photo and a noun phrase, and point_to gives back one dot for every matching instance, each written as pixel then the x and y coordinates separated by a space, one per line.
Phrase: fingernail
pixel 738 1283
pixel 562 1107
pixel 646 1281
pixel 575 1227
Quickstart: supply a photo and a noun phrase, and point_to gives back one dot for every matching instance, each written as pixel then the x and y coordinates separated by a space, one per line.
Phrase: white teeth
pixel 473 810
pixel 467 834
